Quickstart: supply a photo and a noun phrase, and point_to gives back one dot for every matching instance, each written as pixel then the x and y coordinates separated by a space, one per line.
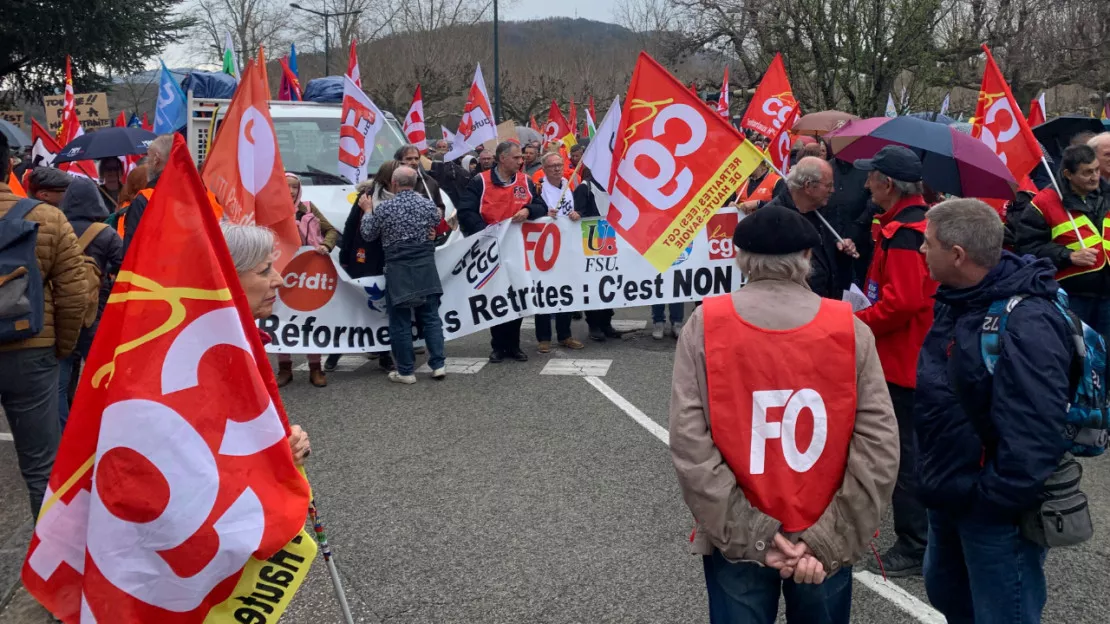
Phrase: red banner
pixel 773 102
pixel 675 163
pixel 244 168
pixel 174 469
pixel 999 123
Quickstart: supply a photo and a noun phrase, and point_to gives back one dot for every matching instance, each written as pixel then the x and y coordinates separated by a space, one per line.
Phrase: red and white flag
pixel 44 147
pixel 1000 124
pixel 244 168
pixel 557 128
pixel 773 102
pixel 477 126
pixel 779 148
pixel 360 122
pixel 1037 111
pixel 675 163
pixel 174 481
pixel 414 122
pixel 352 65
pixel 71 126
pixel 722 101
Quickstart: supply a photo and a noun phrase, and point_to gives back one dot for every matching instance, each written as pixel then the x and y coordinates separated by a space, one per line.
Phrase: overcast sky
pixel 520 10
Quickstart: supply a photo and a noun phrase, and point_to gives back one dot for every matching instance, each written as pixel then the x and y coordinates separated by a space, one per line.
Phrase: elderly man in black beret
pixel 782 434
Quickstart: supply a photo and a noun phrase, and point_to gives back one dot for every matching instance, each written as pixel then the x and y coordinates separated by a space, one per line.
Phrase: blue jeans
pixel 1094 311
pixel 400 334
pixel 562 326
pixel 67 368
pixel 677 310
pixel 977 573
pixel 746 593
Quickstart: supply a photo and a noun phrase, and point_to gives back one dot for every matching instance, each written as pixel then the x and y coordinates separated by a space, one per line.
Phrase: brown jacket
pixel 63 274
pixel 725 520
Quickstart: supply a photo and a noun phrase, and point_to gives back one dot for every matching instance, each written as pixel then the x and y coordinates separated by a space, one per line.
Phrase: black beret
pixel 775 231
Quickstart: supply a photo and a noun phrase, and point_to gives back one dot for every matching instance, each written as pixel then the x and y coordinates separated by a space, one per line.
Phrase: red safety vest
pixel 502 202
pixel 765 191
pixel 1063 231
pixel 781 415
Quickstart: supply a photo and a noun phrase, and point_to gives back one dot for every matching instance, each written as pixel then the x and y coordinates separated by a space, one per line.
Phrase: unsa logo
pixel 308 282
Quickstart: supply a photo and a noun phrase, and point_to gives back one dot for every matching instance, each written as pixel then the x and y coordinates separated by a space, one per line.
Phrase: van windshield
pixel 310 146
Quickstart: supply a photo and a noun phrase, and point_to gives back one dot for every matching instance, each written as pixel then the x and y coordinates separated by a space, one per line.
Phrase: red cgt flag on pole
pixel 244 168
pixel 557 127
pixel 999 123
pixel 1036 111
pixel 675 163
pixel 773 102
pixel 722 101
pixel 779 148
pixel 174 475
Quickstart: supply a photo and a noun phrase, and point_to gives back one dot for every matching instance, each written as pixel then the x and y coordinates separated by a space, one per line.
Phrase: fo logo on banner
pixel 598 238
pixel 541 245
pixel 720 229
pixel 308 282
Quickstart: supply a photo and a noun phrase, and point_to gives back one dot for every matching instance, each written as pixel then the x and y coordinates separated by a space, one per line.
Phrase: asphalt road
pixel 510 495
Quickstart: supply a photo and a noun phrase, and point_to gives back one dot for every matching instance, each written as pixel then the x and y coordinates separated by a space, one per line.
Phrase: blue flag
pixel 134 122
pixel 169 111
pixel 293 59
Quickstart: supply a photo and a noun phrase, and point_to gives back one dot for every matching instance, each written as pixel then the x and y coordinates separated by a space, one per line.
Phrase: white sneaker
pixel 439 373
pixel 657 333
pixel 396 377
pixel 676 329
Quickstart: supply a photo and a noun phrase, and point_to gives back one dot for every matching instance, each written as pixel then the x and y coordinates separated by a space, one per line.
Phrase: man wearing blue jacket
pixel 987 443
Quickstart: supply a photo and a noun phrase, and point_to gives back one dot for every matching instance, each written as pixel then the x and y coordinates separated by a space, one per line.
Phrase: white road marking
pixel 6 437
pixel 458 366
pixel 347 363
pixel 580 368
pixel 629 325
pixel 898 596
pixel 653 427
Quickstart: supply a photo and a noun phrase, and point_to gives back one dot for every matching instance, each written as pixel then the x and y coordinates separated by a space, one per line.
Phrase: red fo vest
pixel 763 192
pixel 782 406
pixel 502 202
pixel 1063 232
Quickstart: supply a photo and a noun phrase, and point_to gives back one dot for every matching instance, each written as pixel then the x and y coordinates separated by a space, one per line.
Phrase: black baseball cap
pixel 895 162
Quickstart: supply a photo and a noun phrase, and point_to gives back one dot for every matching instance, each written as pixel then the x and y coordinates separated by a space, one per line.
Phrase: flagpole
pixel 1044 161
pixel 325 549
pixel 575 173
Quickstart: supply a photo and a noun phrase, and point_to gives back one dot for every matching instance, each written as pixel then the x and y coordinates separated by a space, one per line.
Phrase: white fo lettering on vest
pixel 786 430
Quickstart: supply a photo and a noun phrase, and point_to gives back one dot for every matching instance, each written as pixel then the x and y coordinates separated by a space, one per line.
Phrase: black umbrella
pixel 1056 134
pixel 106 143
pixel 17 138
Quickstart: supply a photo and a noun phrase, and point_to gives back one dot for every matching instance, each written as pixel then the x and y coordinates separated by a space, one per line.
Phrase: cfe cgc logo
pixel 308 282
pixel 719 232
pixel 479 263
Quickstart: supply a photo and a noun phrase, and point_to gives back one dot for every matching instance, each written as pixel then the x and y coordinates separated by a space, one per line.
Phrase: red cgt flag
pixel 557 128
pixel 244 168
pixel 722 101
pixel 675 163
pixel 773 102
pixel 174 471
pixel 999 123
pixel 779 148
pixel 1036 111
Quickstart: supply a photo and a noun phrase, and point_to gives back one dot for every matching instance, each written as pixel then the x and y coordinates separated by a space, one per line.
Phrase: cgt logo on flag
pixel 720 229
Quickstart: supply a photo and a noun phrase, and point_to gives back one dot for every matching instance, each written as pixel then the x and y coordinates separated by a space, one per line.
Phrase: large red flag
pixel 121 120
pixel 174 470
pixel 722 101
pixel 147 125
pixel 999 123
pixel 244 167
pixel 71 126
pixel 1036 111
pixel 779 148
pixel 44 148
pixel 414 122
pixel 675 163
pixel 773 102
pixel 290 88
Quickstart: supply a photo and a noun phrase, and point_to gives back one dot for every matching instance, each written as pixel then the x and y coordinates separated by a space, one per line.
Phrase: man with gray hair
pixel 809 186
pixel 987 440
pixel 770 519
pixel 157 155
pixel 1101 144
pixel 900 290
pixel 406 225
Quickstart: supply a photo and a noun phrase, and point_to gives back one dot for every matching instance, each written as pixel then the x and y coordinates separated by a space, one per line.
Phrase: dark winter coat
pixel 135 214
pixel 1033 236
pixel 470 204
pixel 358 256
pixel 986 444
pixel 83 205
pixel 825 275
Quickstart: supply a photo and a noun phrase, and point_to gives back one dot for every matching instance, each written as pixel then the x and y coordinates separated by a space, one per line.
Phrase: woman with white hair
pixel 252 253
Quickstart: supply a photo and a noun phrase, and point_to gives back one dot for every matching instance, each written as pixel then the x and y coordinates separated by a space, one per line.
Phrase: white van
pixel 308 139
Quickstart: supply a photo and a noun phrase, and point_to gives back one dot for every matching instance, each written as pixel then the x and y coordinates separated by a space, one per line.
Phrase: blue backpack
pixel 21 296
pixel 1088 412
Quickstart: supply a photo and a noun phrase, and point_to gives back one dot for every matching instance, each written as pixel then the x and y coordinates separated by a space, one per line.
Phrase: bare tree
pixel 428 15
pixel 252 24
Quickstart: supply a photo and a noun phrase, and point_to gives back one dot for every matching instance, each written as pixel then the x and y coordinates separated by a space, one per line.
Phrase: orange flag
pixel 244 167
pixel 17 188
pixel 675 163
pixel 1000 124
pixel 174 472
pixel 773 102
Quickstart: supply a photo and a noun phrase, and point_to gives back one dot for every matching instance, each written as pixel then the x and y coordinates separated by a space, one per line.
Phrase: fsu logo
pixel 598 238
